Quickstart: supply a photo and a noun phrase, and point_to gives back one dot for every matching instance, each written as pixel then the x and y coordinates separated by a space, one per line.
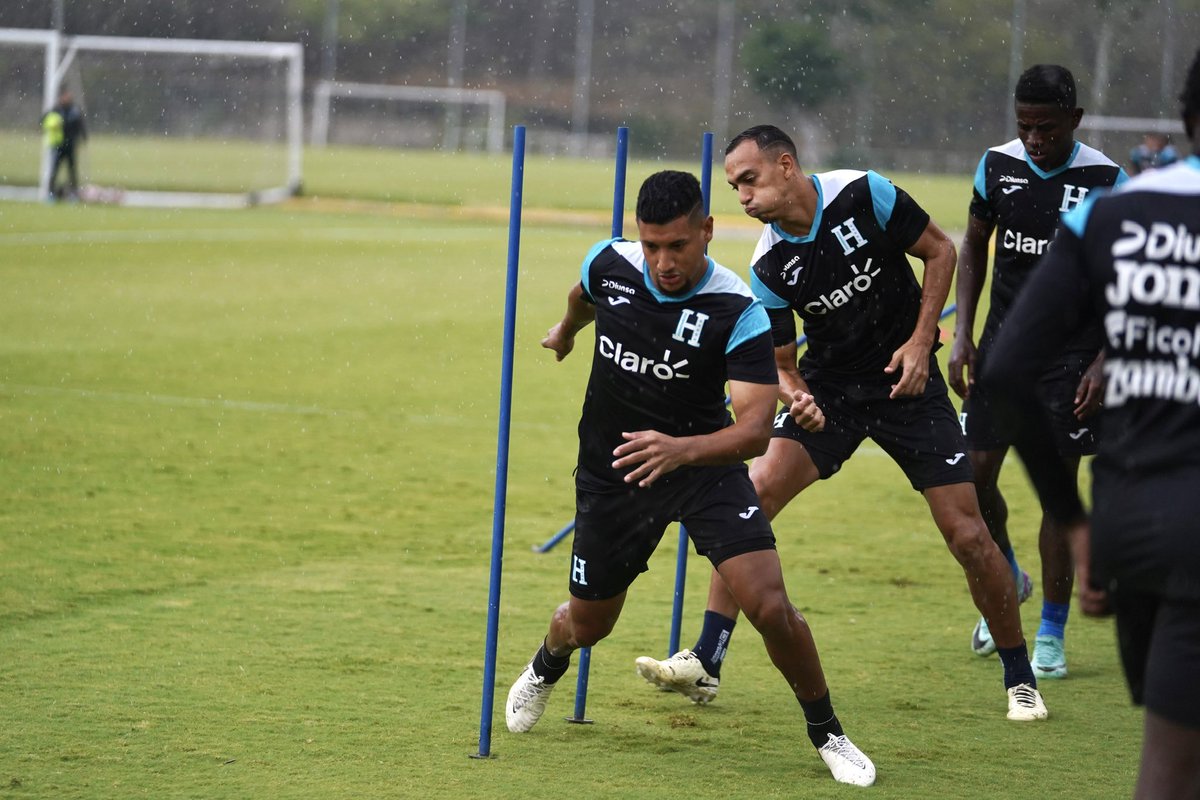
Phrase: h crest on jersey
pixel 849 236
pixel 688 329
pixel 1072 196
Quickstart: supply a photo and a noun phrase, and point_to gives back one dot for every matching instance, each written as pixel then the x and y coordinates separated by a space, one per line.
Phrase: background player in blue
pixel 1021 189
pixel 656 445
pixel 1132 259
pixel 834 252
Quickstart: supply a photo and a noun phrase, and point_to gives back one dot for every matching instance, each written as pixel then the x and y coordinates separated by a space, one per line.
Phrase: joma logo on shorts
pixel 641 365
pixel 860 283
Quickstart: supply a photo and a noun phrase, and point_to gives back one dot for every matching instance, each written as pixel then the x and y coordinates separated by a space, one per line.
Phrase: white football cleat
pixel 681 673
pixel 526 700
pixel 847 763
pixel 1025 704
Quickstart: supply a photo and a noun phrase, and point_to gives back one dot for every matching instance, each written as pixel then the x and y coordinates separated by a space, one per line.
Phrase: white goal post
pixel 326 91
pixel 255 99
pixel 1096 122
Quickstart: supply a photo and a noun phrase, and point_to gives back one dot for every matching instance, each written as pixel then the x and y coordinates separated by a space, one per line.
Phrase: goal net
pixel 173 122
pixel 407 116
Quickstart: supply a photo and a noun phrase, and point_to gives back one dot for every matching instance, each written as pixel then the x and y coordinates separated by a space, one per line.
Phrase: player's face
pixel 759 179
pixel 1048 133
pixel 675 252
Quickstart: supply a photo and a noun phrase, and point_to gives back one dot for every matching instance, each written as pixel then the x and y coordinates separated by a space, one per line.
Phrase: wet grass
pixel 246 470
pixel 471 182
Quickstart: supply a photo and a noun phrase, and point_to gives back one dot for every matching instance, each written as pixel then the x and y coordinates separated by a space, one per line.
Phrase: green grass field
pixel 246 471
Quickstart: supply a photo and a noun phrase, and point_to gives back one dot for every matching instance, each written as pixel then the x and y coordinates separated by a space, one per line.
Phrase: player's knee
pixel 585 630
pixel 969 541
pixel 772 614
pixel 589 636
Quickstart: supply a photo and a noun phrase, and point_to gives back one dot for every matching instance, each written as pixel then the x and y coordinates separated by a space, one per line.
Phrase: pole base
pixel 579 720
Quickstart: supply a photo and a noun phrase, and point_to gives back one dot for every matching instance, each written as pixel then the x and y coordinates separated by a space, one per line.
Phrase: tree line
pixel 905 83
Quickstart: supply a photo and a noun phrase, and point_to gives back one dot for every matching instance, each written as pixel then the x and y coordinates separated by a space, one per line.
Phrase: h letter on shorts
pixel 578 575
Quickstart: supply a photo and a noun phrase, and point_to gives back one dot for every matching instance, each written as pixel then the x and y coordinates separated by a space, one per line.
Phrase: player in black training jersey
pixel 1131 260
pixel 657 445
pixel 1021 189
pixel 834 253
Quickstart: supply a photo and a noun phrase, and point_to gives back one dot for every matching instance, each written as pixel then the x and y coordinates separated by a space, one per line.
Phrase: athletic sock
pixel 821 720
pixel 1016 666
pixel 1054 619
pixel 714 641
pixel 549 666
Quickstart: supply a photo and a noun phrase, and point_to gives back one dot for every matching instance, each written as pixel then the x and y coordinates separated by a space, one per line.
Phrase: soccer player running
pixel 657 445
pixel 1130 258
pixel 1021 189
pixel 833 252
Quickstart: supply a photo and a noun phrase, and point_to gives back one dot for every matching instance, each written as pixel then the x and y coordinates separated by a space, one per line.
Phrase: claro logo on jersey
pixel 663 369
pixel 1015 240
pixel 860 283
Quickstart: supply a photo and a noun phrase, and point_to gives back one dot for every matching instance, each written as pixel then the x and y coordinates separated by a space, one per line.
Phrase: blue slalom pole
pixel 618 215
pixel 618 225
pixel 499 501
pixel 548 545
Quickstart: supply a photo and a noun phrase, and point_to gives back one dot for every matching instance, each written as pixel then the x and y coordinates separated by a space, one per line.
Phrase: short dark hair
pixel 668 195
pixel 767 137
pixel 1046 84
pixel 1189 98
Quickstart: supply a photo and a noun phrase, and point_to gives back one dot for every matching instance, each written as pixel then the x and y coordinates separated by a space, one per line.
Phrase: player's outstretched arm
pixel 972 273
pixel 793 390
pixel 656 454
pixel 911 360
pixel 786 366
pixel 579 314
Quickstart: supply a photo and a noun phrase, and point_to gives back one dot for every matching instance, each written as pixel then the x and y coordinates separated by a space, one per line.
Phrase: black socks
pixel 549 666
pixel 822 722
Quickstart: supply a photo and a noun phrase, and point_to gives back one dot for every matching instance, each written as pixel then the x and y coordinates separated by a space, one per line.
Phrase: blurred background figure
pixel 64 129
pixel 1154 151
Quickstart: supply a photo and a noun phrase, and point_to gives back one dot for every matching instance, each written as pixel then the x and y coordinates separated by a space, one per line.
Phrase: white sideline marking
pixel 243 405
pixel 169 235
pixel 173 400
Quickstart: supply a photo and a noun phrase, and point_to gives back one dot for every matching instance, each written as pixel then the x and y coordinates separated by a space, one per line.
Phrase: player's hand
pixel 805 411
pixel 912 361
pixel 962 357
pixel 1092 601
pixel 655 453
pixel 1091 390
pixel 556 339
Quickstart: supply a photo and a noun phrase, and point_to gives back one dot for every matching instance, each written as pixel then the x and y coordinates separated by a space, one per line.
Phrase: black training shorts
pixel 1056 390
pixel 618 528
pixel 1159 641
pixel 921 433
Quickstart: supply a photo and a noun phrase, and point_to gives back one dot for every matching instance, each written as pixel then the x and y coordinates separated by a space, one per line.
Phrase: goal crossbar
pixel 325 91
pixel 1096 122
